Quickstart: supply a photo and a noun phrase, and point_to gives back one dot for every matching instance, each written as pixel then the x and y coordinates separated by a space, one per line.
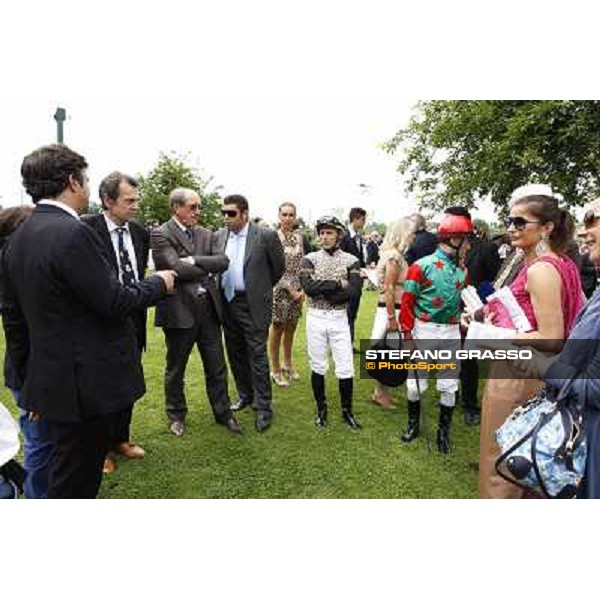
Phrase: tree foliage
pixel 461 151
pixel 172 171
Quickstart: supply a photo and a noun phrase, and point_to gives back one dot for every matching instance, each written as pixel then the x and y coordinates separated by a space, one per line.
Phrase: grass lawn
pixel 293 459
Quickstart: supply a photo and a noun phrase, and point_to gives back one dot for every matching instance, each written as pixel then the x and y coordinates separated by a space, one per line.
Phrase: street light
pixel 59 116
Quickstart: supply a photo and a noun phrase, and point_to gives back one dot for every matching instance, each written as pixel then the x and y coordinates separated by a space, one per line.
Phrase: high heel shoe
pixel 290 373
pixel 278 379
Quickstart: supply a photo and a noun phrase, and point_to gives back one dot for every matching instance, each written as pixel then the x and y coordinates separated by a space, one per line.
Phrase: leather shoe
pixel 177 428
pixel 240 404
pixel 472 418
pixel 233 426
pixel 109 466
pixel 263 421
pixel 130 450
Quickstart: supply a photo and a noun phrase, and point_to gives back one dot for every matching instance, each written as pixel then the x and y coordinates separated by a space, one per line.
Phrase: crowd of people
pixel 74 315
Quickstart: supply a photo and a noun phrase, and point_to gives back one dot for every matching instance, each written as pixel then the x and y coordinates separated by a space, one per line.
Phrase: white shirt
pixel 127 242
pixel 62 206
pixel 236 252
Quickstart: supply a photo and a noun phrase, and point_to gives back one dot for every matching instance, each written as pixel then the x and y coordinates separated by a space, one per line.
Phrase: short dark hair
pixel 238 200
pixel 46 171
pixel 11 218
pixel 458 211
pixel 109 186
pixel 356 213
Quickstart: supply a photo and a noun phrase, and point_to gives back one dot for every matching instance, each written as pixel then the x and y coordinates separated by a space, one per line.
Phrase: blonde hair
pixel 397 235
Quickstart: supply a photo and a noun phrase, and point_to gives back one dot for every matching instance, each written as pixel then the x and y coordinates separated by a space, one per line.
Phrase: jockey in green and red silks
pixel 430 310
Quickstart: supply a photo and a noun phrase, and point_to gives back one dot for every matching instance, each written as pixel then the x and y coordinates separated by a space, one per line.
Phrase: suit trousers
pixel 352 310
pixel 120 426
pixel 206 335
pixel 247 352
pixel 469 383
pixel 76 462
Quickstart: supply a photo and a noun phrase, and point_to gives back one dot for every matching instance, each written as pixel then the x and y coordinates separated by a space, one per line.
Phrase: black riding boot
pixel 414 416
pixel 318 387
pixel 443 432
pixel 346 386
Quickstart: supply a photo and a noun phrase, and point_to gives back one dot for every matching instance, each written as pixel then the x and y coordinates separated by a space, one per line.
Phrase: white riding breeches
pixel 328 330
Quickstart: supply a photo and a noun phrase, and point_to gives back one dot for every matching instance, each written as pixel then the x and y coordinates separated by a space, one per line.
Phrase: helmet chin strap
pixel 456 248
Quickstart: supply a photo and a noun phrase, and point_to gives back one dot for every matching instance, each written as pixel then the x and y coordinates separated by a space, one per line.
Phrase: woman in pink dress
pixel 548 289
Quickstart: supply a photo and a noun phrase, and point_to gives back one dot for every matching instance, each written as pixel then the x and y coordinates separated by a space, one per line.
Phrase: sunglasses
pixel 227 212
pixel 590 218
pixel 519 223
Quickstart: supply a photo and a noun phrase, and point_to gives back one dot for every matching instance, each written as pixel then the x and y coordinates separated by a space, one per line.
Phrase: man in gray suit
pixel 193 314
pixel 256 263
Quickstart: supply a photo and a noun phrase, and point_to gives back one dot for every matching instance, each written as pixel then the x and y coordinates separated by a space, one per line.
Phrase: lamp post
pixel 59 116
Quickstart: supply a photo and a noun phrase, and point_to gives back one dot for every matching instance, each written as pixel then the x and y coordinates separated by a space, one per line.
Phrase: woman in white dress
pixel 391 273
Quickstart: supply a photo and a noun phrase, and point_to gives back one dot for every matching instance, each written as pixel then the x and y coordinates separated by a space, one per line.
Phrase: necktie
pixel 188 233
pixel 127 274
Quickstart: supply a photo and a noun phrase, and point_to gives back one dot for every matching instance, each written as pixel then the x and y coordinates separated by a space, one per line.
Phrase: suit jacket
pixel 264 264
pixel 169 245
pixel 423 245
pixel 83 357
pixel 19 342
pixel 141 246
pixel 349 245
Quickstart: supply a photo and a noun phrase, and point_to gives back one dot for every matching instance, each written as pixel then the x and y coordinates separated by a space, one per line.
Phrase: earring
pixel 542 246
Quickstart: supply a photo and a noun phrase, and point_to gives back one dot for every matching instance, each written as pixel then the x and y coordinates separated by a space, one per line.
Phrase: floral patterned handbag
pixel 543 444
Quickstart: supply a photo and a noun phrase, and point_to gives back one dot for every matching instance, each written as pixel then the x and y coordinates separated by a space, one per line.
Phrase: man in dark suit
pixel 425 242
pixel 256 263
pixel 193 314
pixel 352 244
pixel 127 245
pixel 83 363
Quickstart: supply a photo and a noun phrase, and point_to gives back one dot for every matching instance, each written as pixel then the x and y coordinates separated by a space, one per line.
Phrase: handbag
pixel 543 443
pixel 389 377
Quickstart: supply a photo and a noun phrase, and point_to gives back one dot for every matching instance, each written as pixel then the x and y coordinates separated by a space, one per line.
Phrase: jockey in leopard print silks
pixel 329 278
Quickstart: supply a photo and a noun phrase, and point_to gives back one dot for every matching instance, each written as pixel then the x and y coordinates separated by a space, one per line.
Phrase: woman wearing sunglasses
pixel 583 358
pixel 548 289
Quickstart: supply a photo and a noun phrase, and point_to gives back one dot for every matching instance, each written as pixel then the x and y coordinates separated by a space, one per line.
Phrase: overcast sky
pixel 275 100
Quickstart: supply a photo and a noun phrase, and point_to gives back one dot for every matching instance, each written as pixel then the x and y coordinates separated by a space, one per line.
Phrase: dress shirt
pixel 128 243
pixel 236 252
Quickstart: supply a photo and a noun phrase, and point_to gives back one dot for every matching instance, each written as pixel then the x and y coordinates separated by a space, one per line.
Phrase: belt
pixel 383 305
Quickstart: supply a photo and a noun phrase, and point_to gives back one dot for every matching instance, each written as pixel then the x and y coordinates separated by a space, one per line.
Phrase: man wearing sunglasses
pixel 192 316
pixel 256 263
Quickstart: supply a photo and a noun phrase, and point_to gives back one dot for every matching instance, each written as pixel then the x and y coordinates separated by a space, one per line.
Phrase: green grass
pixel 293 459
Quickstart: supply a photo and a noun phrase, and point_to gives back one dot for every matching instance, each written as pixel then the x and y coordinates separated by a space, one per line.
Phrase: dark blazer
pixel 424 244
pixel 141 246
pixel 349 245
pixel 169 245
pixel 84 360
pixel 19 342
pixel 264 264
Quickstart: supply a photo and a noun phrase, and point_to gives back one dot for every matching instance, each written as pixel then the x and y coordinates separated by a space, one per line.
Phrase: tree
pixel 461 151
pixel 170 172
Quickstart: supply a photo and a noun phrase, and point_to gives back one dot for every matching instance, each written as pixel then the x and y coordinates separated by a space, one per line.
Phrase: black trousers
pixel 247 352
pixel 75 469
pixel 120 427
pixel 352 310
pixel 206 335
pixel 469 383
